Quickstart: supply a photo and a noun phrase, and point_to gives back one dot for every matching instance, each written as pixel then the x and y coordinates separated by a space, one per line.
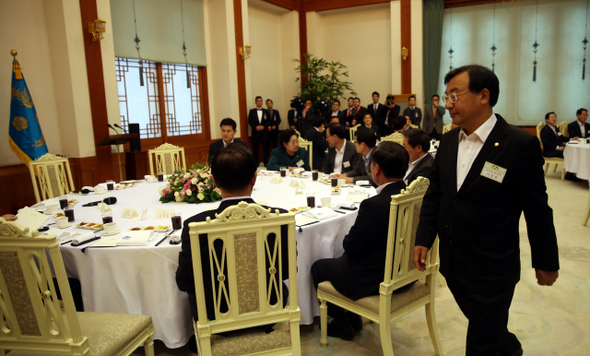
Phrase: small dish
pixel 162 228
pixel 64 227
pixel 104 233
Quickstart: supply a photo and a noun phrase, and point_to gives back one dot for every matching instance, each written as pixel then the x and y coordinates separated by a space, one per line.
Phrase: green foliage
pixel 324 79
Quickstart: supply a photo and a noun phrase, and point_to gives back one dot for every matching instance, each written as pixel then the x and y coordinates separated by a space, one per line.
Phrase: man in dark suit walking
pixel 258 121
pixel 433 118
pixel 486 173
pixel 320 145
pixel 358 272
pixel 228 131
pixel 579 128
pixel 417 143
pixel 413 112
pixel 274 120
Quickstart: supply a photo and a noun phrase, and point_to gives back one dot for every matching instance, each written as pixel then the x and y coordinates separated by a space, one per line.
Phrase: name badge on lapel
pixel 346 164
pixel 300 163
pixel 493 172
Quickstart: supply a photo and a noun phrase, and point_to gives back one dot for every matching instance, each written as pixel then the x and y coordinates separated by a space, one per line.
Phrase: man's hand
pixel 259 128
pixel 545 278
pixel 269 128
pixel 561 148
pixel 420 253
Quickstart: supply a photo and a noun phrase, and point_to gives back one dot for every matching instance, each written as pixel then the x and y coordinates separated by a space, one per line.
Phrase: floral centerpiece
pixel 193 186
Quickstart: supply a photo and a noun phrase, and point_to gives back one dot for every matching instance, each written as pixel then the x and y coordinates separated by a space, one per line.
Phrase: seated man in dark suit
pixel 228 131
pixel 417 143
pixel 234 173
pixel 320 145
pixel 368 123
pixel 553 140
pixel 365 142
pixel 335 112
pixel 579 128
pixel 358 272
pixel 341 154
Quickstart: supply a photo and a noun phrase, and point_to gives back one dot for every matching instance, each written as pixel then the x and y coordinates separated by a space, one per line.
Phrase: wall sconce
pixel 404 53
pixel 245 51
pixel 96 28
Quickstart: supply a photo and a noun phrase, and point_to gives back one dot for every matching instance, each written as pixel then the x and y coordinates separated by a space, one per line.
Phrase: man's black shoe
pixel 341 328
pixel 355 321
pixel 518 352
pixel 192 344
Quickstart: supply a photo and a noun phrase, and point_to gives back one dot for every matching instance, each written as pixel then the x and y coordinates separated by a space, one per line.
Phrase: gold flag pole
pixel 16 67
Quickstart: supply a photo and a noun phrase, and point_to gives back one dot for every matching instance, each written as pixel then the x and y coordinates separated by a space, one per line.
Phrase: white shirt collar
pixel 483 131
pixel 225 144
pixel 382 186
pixel 343 147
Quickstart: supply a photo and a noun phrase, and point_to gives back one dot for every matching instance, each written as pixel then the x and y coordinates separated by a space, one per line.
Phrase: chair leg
pixel 433 329
pixel 555 169
pixel 323 322
pixel 546 168
pixel 562 173
pixel 587 216
pixel 385 334
pixel 148 346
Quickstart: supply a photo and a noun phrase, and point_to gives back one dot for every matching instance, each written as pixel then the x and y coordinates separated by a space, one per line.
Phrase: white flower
pixel 201 196
pixel 176 194
pixel 179 199
pixel 161 191
pixel 189 192
pixel 187 175
pixel 194 180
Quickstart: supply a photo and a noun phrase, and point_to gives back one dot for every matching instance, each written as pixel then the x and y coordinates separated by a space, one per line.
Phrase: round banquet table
pixel 141 279
pixel 577 159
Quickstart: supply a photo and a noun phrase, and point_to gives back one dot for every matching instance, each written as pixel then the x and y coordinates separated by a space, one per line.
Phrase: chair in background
pixel 412 126
pixel 447 128
pixel 394 137
pixel 352 132
pixel 563 128
pixel 399 271
pixel 587 215
pixel 51 176
pixel 169 159
pixel 245 261
pixel 32 319
pixel 550 160
pixel 308 145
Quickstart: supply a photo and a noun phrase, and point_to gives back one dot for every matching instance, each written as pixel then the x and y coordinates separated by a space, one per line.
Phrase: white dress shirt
pixel 469 147
pixel 339 158
pixel 582 128
pixel 412 165
pixel 259 112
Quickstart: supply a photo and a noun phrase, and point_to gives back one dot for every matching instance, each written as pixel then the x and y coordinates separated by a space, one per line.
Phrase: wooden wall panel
pixel 323 5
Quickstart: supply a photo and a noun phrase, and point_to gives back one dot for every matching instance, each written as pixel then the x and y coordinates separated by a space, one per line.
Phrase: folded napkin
pixel 104 208
pixel 276 180
pixel 320 213
pixel 79 238
pixel 135 238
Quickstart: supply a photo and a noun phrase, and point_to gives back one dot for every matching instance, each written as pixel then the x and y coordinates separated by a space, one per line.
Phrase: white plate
pixel 163 230
pixel 104 233
pixel 65 227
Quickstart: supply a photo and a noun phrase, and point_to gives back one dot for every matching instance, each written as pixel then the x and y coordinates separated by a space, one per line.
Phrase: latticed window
pixel 163 98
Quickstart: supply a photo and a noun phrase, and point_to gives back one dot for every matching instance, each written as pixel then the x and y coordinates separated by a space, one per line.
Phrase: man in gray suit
pixel 341 156
pixel 433 118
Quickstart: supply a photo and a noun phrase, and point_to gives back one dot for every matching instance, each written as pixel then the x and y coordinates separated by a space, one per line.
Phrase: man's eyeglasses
pixel 453 96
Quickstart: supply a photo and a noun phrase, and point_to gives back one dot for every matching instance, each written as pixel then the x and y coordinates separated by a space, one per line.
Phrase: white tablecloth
pixel 577 159
pixel 141 280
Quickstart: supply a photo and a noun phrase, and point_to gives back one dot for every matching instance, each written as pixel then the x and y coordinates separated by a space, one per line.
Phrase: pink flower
pixel 182 180
pixel 182 193
pixel 208 185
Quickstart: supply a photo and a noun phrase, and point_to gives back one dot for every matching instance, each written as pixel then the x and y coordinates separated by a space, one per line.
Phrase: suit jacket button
pixel 455 201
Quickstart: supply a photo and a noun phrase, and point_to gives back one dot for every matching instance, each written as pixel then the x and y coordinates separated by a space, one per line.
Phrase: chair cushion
pixel 107 333
pixel 251 340
pixel 398 300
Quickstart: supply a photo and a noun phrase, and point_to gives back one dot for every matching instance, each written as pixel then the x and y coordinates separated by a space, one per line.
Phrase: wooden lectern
pixel 118 140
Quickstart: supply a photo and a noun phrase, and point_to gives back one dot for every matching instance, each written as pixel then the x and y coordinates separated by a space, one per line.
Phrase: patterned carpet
pixel 547 320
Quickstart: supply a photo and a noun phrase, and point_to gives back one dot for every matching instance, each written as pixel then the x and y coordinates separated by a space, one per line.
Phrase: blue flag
pixel 24 133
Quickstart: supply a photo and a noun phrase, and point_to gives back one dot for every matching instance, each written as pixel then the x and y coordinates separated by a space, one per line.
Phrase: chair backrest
pixel 246 276
pixel 394 137
pixel 403 223
pixel 169 159
pixel 30 313
pixel 412 126
pixel 539 128
pixel 51 176
pixel 447 127
pixel 563 128
pixel 308 145
pixel 352 131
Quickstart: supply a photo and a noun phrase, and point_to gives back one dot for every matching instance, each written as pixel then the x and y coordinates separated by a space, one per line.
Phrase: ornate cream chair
pixel 563 128
pixel 549 160
pixel 245 271
pixel 399 271
pixel 587 215
pixel 308 145
pixel 352 132
pixel 169 158
pixel 447 127
pixel 394 137
pixel 31 319
pixel 51 176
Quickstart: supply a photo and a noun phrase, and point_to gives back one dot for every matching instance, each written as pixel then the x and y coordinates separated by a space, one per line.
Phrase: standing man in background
pixel 274 120
pixel 376 109
pixel 258 121
pixel 433 118
pixel 413 112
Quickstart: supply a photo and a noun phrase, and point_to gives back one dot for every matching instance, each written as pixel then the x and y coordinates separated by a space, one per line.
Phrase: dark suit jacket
pixel 319 147
pixel 307 121
pixel 349 156
pixel 253 121
pixel 365 174
pixel 379 114
pixel 357 117
pixel 431 122
pixel 184 273
pixel 375 128
pixel 573 129
pixel 274 119
pixel 341 117
pixel 363 262
pixel 422 169
pixel 414 115
pixel 551 141
pixel 478 225
pixel 217 145
pixel 291 117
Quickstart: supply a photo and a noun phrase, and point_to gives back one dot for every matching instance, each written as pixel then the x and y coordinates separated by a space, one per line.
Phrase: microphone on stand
pixel 111 126
pixel 107 201
pixel 119 127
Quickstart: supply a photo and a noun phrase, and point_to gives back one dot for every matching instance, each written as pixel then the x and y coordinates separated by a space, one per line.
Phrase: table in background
pixel 577 159
pixel 141 279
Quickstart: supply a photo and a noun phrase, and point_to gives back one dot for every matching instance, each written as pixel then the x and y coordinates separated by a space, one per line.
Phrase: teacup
pixel 99 189
pixel 52 209
pixel 326 201
pixel 62 222
pixel 110 228
pixel 341 182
